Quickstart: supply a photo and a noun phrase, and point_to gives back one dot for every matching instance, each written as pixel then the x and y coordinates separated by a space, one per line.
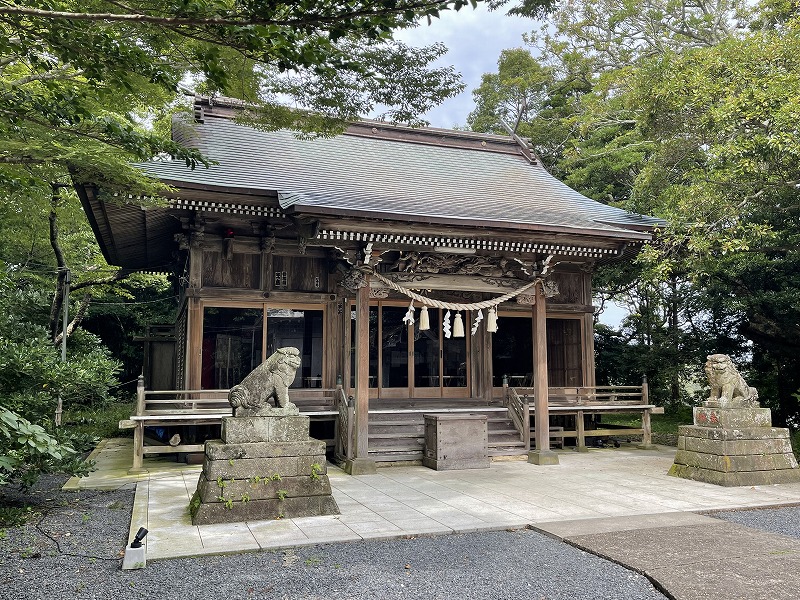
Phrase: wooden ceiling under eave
pixel 136 237
pixel 129 235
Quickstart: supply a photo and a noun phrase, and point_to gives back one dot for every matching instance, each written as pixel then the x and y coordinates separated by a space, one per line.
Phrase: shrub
pixel 27 451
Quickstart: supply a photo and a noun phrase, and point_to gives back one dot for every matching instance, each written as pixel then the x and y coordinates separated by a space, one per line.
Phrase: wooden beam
pixel 542 455
pixel 361 464
pixel 194 347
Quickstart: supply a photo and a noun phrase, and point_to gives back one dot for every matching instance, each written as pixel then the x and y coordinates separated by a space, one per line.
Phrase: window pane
pixel 373 347
pixel 426 351
pixel 395 347
pixel 231 345
pixel 512 351
pixel 564 356
pixel 301 329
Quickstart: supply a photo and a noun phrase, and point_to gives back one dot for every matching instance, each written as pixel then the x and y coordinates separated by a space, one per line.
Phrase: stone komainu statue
pixel 270 379
pixel 728 388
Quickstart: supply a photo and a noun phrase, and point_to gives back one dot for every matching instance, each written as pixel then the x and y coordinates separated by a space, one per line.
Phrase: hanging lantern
pixel 491 321
pixel 446 325
pixel 458 326
pixel 424 321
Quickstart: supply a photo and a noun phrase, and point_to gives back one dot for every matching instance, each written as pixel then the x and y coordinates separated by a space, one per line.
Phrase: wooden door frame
pixel 411 390
pixel 497 392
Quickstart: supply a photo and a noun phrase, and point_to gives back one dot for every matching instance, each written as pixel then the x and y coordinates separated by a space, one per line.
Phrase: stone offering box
pixel 264 467
pixel 734 446
pixel 456 441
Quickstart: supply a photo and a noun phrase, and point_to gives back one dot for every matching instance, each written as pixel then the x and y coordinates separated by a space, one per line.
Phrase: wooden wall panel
pixel 571 288
pixel 299 274
pixel 240 271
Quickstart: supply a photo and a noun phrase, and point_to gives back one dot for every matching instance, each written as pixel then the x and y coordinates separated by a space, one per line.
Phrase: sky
pixel 475 39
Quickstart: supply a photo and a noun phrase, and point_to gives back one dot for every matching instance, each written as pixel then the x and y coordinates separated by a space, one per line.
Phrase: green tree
pixel 690 114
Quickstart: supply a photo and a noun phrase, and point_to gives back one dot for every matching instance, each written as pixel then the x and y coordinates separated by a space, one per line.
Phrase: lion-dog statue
pixel 270 379
pixel 728 387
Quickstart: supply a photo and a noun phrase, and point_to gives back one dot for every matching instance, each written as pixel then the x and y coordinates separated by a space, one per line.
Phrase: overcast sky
pixel 475 39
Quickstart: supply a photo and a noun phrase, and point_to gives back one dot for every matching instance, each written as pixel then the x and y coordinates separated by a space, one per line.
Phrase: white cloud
pixel 475 39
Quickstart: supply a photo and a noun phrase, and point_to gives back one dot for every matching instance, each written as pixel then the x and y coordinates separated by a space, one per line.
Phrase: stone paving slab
pixel 619 503
pixel 702 559
pixel 718 543
pixel 772 577
pixel 586 527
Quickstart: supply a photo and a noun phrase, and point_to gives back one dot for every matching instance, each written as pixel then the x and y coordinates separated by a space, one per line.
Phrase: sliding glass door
pixel 236 341
pixel 406 362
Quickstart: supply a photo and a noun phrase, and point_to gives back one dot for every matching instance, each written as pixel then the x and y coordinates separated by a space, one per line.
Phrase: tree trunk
pixel 83 308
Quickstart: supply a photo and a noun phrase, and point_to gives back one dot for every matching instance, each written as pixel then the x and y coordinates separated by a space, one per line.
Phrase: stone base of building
pixel 263 468
pixel 734 447
pixel 542 457
pixel 360 466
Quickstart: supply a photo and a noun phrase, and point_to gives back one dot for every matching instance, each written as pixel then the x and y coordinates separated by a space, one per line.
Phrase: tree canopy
pixel 87 88
pixel 687 111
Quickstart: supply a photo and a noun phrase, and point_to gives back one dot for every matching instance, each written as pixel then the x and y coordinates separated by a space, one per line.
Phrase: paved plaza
pixel 586 489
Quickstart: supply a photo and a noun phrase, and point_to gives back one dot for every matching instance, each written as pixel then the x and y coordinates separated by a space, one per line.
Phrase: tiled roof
pixel 382 177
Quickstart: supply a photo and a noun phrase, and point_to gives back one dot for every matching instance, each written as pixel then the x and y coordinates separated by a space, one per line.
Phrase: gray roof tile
pixel 393 178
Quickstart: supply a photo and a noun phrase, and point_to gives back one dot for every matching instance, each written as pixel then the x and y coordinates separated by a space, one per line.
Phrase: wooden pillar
pixel 138 430
pixel 647 431
pixel 194 341
pixel 542 455
pixel 580 432
pixel 647 434
pixel 589 379
pixel 361 463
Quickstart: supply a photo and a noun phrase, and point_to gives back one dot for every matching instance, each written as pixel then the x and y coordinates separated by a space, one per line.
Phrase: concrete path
pixel 692 557
pixel 616 503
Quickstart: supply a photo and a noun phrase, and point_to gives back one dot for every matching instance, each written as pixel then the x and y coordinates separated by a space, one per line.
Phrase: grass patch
pixel 15 516
pixel 99 422
pixel 664 427
pixel 667 423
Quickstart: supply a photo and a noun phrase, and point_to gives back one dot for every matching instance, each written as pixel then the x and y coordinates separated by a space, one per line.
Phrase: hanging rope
pixel 453 305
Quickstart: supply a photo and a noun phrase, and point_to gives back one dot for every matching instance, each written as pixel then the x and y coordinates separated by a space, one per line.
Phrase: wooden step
pixel 376 424
pixel 395 457
pixel 400 435
pixel 400 443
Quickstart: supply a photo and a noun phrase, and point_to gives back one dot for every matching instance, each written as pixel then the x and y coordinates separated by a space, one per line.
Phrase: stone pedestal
pixel 264 467
pixel 734 446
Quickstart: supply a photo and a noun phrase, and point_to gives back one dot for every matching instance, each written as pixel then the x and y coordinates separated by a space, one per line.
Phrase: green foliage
pixel 15 516
pixel 194 504
pixel 664 427
pixel 32 374
pixel 77 82
pixel 687 112
pixel 93 423
pixel 27 450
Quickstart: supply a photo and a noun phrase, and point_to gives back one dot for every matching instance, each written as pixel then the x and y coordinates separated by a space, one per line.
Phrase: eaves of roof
pixel 453 178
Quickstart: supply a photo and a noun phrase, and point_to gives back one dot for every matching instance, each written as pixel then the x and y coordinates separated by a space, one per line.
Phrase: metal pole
pixel 66 318
pixel 60 405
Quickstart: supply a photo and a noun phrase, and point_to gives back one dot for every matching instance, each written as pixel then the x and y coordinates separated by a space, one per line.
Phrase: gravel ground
pixel 71 549
pixel 785 521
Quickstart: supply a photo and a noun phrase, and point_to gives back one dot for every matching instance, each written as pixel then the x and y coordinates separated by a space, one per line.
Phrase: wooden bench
pixel 201 407
pixel 587 401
